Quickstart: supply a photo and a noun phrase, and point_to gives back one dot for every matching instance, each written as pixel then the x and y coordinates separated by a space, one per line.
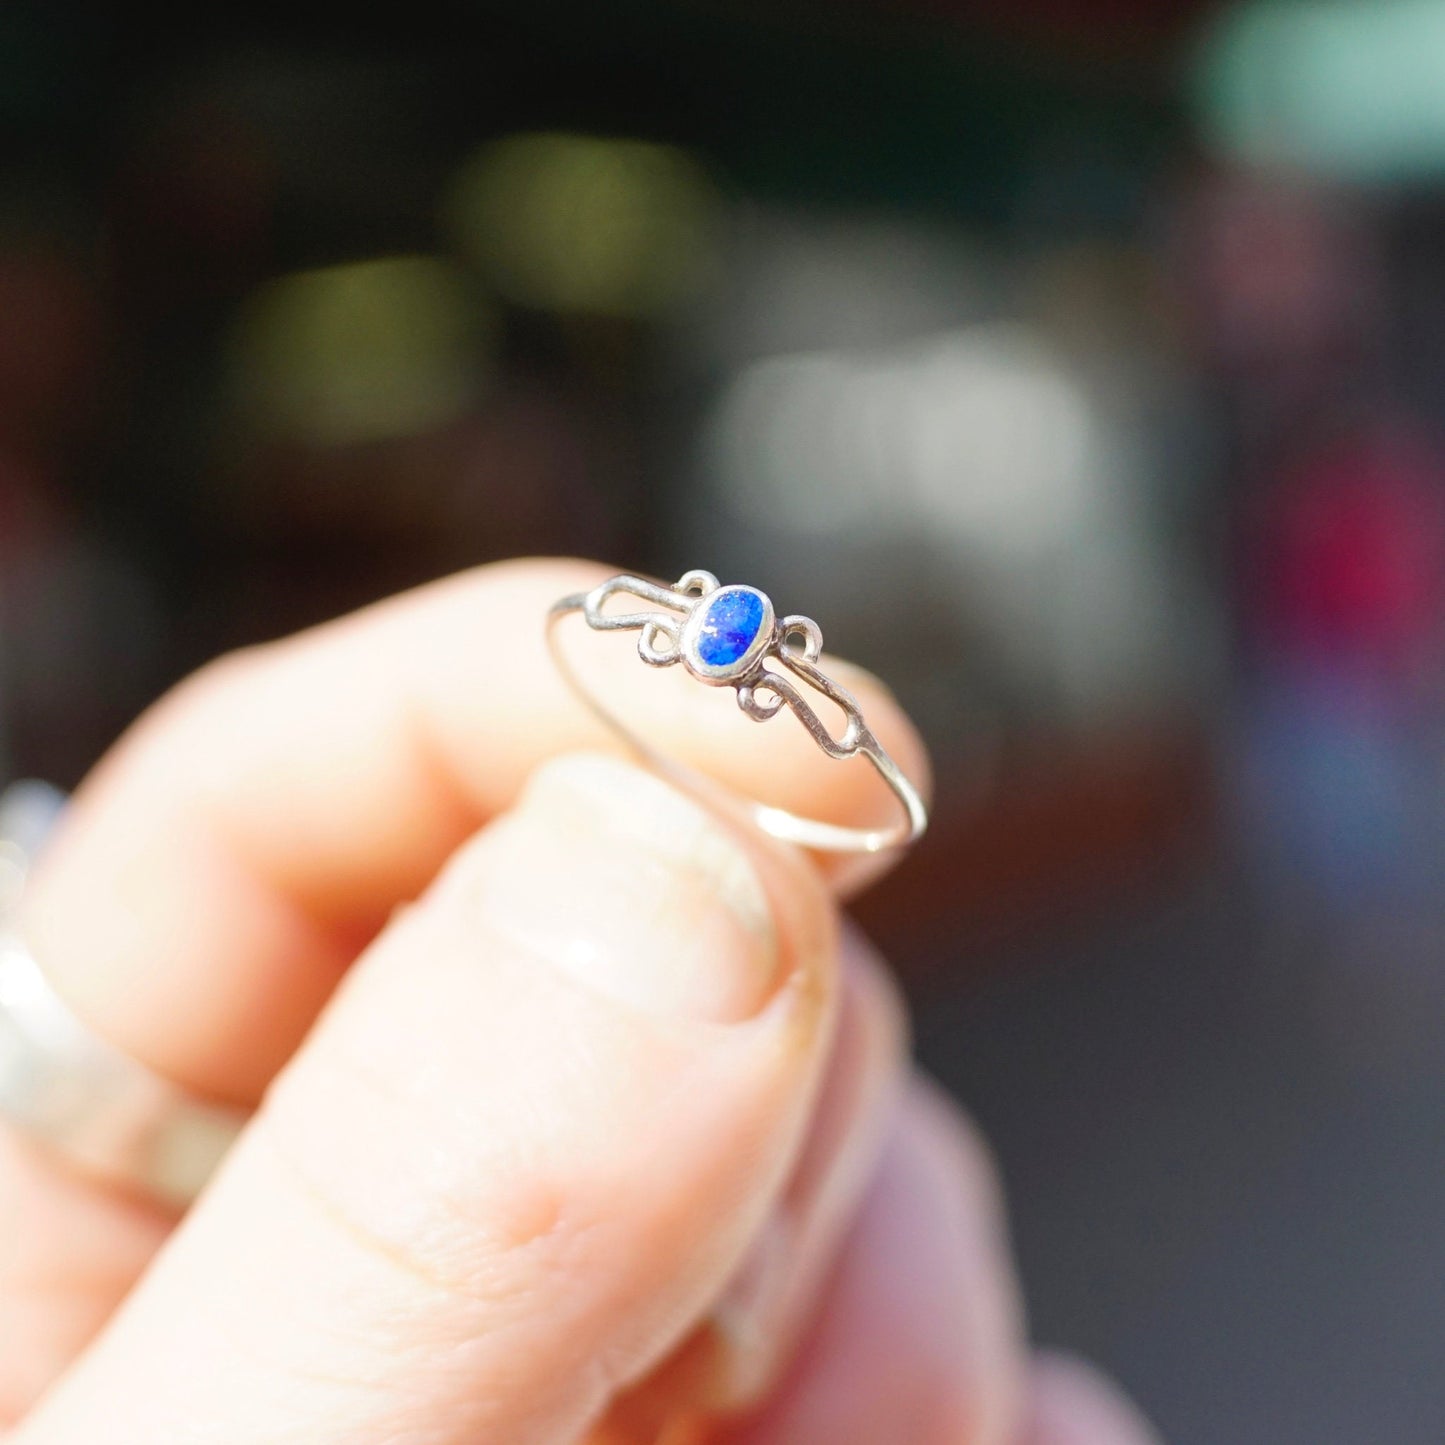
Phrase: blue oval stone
pixel 729 626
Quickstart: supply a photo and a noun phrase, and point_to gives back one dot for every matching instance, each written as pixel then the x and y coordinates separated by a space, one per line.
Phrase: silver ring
pixel 80 1096
pixel 728 636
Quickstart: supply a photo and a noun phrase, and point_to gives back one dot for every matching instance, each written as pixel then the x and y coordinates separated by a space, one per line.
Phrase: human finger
pixel 68 1251
pixel 517 1159
pixel 1071 1403
pixel 919 1336
pixel 752 1331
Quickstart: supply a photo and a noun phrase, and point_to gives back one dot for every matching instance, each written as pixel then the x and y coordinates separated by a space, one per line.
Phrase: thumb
pixel 520 1155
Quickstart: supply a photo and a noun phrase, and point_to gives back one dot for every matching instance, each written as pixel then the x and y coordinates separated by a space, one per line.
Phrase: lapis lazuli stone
pixel 730 626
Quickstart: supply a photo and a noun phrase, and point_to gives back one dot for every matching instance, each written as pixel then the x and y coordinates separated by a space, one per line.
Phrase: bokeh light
pixel 587 224
pixel 360 352
pixel 1329 87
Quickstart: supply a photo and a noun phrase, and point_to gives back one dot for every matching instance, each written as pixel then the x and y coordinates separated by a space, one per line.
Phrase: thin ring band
pixel 88 1102
pixel 725 635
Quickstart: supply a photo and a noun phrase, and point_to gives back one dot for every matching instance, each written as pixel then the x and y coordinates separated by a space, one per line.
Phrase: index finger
pixel 234 852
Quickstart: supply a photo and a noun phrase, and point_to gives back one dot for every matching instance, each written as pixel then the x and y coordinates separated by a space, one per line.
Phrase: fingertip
pixel 919 1338
pixel 626 850
pixel 944 1139
pixel 488 724
pixel 1072 1403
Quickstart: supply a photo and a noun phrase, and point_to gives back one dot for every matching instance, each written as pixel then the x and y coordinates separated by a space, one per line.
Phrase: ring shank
pixel 71 1091
pixel 778 822
pixel 95 1106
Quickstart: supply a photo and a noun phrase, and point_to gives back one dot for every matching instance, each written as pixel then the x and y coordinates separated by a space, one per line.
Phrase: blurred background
pixel 1080 368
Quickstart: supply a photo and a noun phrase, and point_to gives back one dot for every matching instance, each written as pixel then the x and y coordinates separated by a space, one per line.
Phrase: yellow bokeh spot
pixel 359 352
pixel 585 224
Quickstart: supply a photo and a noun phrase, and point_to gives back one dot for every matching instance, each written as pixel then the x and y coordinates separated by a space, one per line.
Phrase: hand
pixel 608 1138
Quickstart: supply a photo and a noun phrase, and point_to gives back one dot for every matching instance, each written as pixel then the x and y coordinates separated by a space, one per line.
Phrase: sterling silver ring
pixel 729 636
pixel 72 1091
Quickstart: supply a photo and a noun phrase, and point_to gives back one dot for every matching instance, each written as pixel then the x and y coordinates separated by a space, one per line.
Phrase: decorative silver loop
pixel 658 645
pixel 728 635
pixel 810 632
pixel 81 1097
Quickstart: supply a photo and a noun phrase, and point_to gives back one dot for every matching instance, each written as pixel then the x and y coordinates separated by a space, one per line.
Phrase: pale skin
pixel 594 1141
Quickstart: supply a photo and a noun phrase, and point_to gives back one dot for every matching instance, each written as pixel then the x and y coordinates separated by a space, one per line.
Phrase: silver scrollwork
pixel 766 679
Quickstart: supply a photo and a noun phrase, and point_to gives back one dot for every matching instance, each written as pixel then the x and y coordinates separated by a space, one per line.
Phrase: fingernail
pixel 633 890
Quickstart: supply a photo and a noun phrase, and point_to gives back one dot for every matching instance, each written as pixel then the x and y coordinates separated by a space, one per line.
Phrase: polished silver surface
pixel 670 634
pixel 81 1097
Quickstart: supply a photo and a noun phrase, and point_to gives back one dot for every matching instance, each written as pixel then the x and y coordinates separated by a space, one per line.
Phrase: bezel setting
pixel 689 641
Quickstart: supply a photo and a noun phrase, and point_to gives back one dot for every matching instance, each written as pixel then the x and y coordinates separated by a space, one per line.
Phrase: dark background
pixel 1079 369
